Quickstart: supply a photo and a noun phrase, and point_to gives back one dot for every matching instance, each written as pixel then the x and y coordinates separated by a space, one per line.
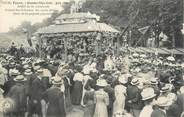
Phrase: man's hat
pixel 135 81
pixel 57 80
pixel 15 72
pixel 154 81
pixel 28 72
pixel 20 78
pixel 148 93
pixel 163 101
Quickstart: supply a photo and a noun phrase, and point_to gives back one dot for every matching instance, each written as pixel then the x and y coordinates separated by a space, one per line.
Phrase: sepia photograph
pixel 91 58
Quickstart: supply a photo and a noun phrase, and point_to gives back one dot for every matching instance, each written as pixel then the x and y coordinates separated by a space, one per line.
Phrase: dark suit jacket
pixel 158 113
pixel 38 88
pixel 55 98
pixel 180 103
pixel 18 94
pixel 8 85
pixel 134 94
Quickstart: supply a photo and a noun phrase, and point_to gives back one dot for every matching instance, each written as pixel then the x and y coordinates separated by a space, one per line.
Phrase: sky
pixel 9 20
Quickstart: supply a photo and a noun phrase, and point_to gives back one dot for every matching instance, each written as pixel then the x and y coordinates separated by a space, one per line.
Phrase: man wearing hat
pixel 18 94
pixel 154 85
pixel 134 101
pixel 38 88
pixel 10 81
pixel 162 104
pixel 54 99
pixel 147 96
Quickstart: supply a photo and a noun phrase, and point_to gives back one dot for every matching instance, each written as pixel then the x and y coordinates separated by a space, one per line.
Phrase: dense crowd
pixel 134 85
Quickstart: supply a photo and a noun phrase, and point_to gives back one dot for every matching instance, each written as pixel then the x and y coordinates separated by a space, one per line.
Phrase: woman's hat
pixel 163 101
pixel 19 78
pixel 135 81
pixel 28 72
pixel 123 79
pixel 57 80
pixel 101 82
pixel 154 81
pixel 148 93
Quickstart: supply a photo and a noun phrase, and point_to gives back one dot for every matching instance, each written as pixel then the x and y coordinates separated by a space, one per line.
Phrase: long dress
pixel 101 100
pixel 119 102
pixel 77 89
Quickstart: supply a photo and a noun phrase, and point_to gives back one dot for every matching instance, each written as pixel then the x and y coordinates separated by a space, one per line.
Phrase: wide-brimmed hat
pixel 148 93
pixel 135 81
pixel 123 79
pixel 19 78
pixel 57 80
pixel 163 101
pixel 14 72
pixel 101 82
pixel 28 72
pixel 154 81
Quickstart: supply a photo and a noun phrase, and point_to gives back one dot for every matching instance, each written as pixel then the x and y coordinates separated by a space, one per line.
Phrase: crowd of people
pixel 133 85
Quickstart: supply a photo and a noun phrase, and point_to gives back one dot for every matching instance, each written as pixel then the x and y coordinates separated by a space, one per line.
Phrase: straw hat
pixel 165 89
pixel 154 81
pixel 135 81
pixel 101 82
pixel 57 80
pixel 148 93
pixel 28 72
pixel 19 78
pixel 15 72
pixel 123 79
pixel 163 101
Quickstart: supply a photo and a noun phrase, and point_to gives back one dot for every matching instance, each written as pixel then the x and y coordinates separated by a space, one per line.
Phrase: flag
pixel 144 29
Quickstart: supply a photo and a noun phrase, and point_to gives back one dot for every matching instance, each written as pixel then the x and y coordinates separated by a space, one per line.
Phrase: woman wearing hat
pixel 77 88
pixel 53 99
pixel 148 96
pixel 162 104
pixel 101 99
pixel 120 95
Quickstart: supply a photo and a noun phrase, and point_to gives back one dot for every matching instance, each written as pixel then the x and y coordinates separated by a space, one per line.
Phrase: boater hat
pixel 135 81
pixel 154 81
pixel 28 72
pixel 57 80
pixel 163 101
pixel 148 93
pixel 20 78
